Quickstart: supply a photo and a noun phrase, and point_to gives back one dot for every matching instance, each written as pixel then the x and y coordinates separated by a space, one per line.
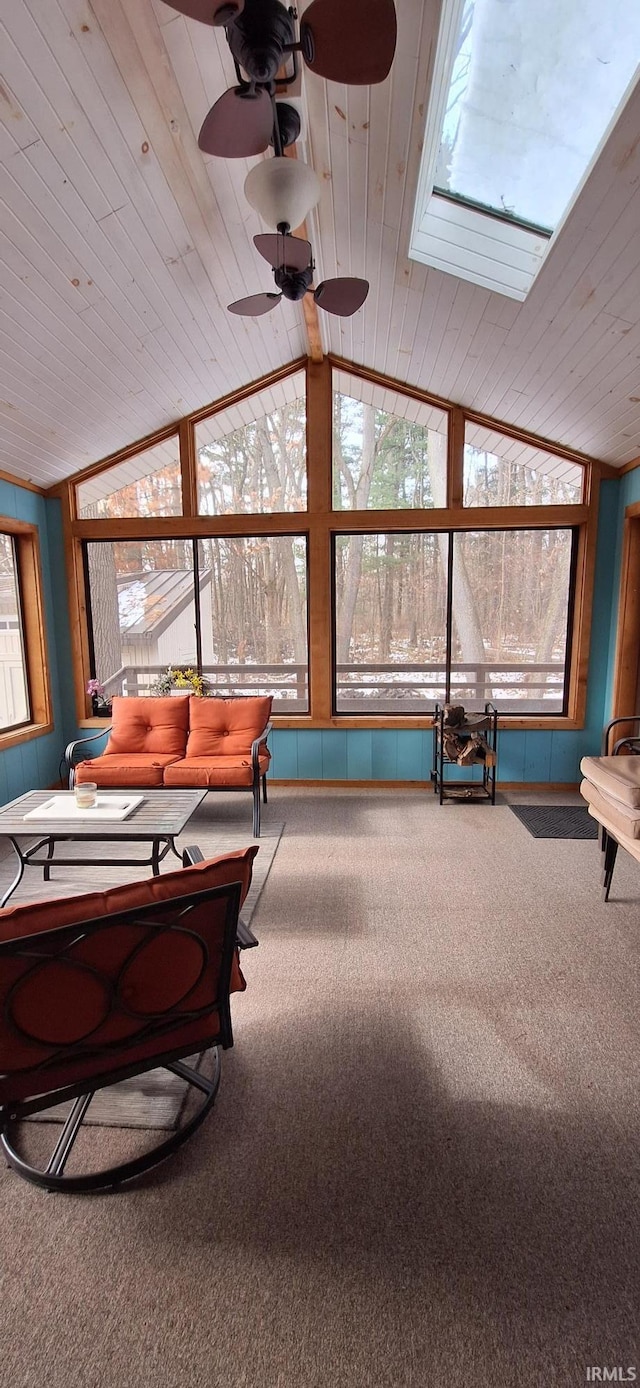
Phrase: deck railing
pixel 383 688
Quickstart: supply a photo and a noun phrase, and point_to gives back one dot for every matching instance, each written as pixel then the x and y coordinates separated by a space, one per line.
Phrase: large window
pixel 254 624
pixel 14 684
pixel 346 544
pixel 464 616
pixel 390 622
pixel 146 484
pixel 389 451
pixel 252 457
pixel 25 695
pixel 233 609
pixel 142 608
pixel 510 630
pixel 503 471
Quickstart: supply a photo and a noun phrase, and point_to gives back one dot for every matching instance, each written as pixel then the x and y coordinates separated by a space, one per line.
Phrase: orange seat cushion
pixel 226 727
pixel 149 725
pixel 213 771
pixel 128 770
pixel 58 1024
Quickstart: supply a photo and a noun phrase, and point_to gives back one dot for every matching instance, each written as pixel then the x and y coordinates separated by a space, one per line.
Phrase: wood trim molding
pixel 455 459
pixel 416 722
pixel 389 382
pixel 77 605
pixel 536 440
pixel 158 436
pixel 319 437
pixel 312 325
pixel 319 483
pixel 235 396
pixel 188 467
pixel 29 566
pixel 338 522
pixel 583 605
pixel 628 467
pixel 22 482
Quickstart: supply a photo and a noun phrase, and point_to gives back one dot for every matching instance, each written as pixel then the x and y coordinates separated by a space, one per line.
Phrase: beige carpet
pixel 423 1165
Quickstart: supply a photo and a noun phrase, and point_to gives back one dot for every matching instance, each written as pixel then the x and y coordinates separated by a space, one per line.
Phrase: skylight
pixel 523 97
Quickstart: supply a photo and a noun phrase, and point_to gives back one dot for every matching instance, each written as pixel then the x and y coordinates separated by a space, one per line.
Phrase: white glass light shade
pixel 282 190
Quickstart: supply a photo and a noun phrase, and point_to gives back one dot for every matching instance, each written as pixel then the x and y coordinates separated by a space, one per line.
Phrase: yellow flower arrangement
pixel 189 679
pixel 180 677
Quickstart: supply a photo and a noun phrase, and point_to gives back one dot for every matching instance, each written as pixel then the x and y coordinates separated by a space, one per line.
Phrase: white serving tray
pixel 106 807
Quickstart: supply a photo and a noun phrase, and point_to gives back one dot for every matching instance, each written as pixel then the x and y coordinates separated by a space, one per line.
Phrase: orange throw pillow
pixel 226 727
pixel 149 725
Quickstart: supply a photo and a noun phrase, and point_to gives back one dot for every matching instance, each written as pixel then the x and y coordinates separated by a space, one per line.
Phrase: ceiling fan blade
pixel 343 296
pixel 238 125
pixel 209 11
pixel 255 305
pixel 350 42
pixel 279 250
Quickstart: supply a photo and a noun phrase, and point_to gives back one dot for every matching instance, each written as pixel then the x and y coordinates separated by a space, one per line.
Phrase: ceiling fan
pixel 350 41
pixel 291 260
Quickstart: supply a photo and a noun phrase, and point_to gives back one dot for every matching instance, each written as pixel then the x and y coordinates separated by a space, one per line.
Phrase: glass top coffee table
pixel 157 819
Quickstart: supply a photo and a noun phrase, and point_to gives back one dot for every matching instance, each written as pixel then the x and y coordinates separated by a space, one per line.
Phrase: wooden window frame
pixel 27 547
pixel 300 533
pixel 320 522
pixel 507 720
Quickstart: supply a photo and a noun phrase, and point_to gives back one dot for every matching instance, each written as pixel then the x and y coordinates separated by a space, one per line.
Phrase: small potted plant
pixel 100 704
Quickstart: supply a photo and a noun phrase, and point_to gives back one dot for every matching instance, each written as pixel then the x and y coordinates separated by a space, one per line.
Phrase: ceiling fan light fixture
pixel 239 125
pixel 282 190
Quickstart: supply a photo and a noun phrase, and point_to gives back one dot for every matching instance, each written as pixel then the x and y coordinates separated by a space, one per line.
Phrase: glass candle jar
pixel 86 795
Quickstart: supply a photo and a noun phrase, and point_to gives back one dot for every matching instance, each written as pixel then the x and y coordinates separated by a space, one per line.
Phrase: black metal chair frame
pixel 51 945
pixel 608 843
pixel 70 761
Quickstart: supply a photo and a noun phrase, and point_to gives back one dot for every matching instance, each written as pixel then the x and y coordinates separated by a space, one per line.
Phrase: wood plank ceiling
pixel 123 244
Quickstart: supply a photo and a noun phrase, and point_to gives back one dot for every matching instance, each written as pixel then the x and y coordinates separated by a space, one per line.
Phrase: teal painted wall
pixel 340 754
pixel 36 763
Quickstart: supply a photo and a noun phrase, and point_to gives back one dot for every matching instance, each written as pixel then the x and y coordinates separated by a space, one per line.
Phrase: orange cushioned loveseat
pixel 181 743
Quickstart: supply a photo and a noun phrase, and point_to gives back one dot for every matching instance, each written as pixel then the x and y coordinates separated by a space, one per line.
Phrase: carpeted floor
pixel 422 1169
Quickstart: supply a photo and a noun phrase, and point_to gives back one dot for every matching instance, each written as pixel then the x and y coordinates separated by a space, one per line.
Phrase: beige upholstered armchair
pixel 611 788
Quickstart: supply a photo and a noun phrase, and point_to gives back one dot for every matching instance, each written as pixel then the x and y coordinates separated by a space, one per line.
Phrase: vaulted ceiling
pixel 123 244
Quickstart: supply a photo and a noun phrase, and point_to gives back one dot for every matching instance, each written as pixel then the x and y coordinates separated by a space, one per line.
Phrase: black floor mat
pixel 557 821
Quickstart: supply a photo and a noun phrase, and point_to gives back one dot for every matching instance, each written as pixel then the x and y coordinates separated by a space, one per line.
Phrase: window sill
pixel 17 735
pixel 400 721
pixel 552 723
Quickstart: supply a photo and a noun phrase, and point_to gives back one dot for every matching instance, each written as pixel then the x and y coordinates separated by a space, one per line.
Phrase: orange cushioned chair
pixel 103 986
pixel 182 743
